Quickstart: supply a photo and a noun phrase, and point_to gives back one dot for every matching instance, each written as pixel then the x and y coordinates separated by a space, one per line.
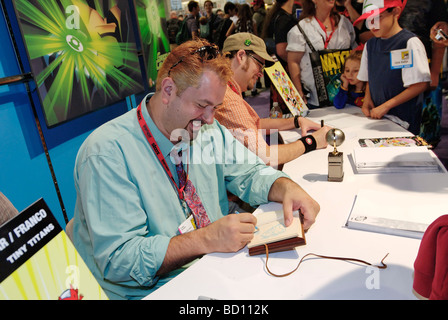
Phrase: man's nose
pixel 209 115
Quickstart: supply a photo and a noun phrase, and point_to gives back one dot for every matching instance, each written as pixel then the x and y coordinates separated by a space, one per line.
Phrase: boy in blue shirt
pixel 394 64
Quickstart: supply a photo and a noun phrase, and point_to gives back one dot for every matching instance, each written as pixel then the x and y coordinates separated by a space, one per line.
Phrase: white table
pixel 239 276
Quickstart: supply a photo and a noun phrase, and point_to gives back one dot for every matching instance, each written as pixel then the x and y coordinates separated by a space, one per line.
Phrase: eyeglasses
pixel 258 61
pixel 205 52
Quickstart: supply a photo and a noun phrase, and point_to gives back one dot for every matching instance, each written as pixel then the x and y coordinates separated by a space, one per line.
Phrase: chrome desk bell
pixel 335 137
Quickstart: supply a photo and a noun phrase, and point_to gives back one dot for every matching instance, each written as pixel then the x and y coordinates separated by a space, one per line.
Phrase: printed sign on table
pixel 39 262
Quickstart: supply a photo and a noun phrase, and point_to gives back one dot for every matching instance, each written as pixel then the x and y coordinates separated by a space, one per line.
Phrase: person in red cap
pixel 394 64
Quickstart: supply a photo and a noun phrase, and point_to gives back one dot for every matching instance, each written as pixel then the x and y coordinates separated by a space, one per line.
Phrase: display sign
pixel 287 90
pixel 83 54
pixel 151 18
pixel 39 262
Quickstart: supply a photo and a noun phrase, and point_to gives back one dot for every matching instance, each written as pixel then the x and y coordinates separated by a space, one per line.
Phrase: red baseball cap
pixel 372 8
pixel 258 2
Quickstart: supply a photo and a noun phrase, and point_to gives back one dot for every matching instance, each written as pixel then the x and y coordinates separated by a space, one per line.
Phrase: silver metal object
pixel 440 35
pixel 335 137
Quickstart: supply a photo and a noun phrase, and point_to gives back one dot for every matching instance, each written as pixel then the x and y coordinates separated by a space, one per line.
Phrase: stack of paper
pixel 386 160
pixel 398 213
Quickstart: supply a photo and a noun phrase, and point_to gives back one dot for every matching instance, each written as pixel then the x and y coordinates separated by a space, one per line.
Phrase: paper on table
pixel 399 213
pixel 394 159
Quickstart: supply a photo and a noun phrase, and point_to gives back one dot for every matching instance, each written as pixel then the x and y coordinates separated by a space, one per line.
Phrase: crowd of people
pixel 336 25
pixel 179 176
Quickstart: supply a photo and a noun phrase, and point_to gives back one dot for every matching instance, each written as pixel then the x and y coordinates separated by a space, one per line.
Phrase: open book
pixel 271 230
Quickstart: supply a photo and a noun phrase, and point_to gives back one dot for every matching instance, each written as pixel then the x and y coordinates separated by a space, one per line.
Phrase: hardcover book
pixel 271 231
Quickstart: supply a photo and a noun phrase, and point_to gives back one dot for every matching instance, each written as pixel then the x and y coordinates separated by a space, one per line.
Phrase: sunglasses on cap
pixel 205 52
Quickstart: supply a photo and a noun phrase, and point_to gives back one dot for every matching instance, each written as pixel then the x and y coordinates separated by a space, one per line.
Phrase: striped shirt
pixel 242 120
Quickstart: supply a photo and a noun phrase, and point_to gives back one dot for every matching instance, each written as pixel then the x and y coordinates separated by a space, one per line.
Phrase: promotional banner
pixel 286 89
pixel 151 16
pixel 39 262
pixel 332 62
pixel 82 54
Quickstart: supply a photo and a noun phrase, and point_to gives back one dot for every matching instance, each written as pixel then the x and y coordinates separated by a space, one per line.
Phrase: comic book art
pixel 287 90
pixel 411 141
pixel 82 54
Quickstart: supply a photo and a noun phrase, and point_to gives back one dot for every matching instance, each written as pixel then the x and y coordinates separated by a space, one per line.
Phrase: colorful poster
pixel 82 53
pixel 286 89
pixel 332 63
pixel 411 141
pixel 155 44
pixel 39 262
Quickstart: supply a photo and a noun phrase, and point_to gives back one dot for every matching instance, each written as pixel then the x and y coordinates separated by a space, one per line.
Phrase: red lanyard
pixel 327 38
pixel 232 86
pixel 156 149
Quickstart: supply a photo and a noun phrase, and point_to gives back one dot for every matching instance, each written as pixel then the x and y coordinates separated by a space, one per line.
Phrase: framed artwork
pixel 151 16
pixel 82 53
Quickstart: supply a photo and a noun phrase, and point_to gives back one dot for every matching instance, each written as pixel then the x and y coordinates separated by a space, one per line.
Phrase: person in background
pixel 279 20
pixel 230 12
pixel 247 54
pixel 213 20
pixel 244 23
pixel 220 13
pixel 192 19
pixel 173 26
pixel 419 16
pixel 352 9
pixel 259 15
pixel 352 90
pixel 326 29
pixel 395 66
pixel 152 184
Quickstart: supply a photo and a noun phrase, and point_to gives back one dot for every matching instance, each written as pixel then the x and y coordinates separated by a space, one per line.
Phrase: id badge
pixel 402 58
pixel 188 225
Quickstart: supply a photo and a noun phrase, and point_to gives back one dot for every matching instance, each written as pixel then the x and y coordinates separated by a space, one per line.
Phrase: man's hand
pixel 320 133
pixel 321 137
pixel 230 233
pixel 293 198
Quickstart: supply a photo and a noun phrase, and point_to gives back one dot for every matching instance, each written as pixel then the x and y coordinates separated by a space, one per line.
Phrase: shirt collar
pixel 233 85
pixel 163 142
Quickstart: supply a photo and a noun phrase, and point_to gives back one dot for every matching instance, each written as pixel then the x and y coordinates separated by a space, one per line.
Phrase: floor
pixel 260 103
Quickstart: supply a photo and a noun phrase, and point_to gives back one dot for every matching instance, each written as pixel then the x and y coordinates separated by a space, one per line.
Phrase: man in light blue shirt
pixel 129 211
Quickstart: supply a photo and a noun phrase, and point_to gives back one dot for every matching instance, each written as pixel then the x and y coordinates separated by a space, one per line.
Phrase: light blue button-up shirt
pixel 127 208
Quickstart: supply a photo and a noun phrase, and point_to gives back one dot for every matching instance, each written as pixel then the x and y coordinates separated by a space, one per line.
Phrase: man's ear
pixel 240 55
pixel 168 90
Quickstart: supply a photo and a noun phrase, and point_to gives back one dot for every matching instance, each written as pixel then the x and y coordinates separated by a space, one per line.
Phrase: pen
pixel 256 228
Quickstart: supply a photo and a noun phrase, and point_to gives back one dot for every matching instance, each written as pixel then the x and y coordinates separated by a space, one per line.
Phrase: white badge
pixel 402 58
pixel 188 225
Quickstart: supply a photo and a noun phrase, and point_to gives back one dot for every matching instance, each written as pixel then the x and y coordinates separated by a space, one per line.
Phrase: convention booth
pixel 68 66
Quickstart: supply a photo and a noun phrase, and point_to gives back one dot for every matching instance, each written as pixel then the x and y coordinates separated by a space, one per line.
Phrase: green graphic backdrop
pixel 82 53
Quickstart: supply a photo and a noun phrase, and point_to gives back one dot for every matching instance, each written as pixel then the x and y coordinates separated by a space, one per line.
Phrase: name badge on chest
pixel 402 58
pixel 188 225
